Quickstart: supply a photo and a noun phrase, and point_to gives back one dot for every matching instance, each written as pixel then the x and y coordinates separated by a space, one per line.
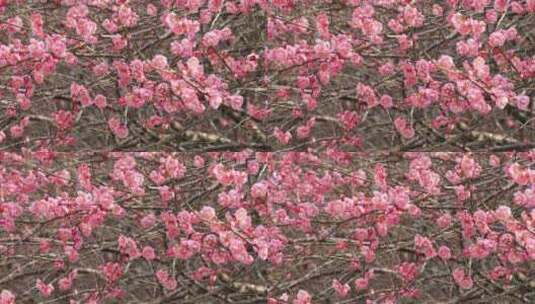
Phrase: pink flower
pixel 335 208
pixel 386 101
pixel 494 160
pixel 497 39
pixel 522 102
pixel 499 272
pixel 198 161
pixel 517 8
pixel 511 33
pixel 7 297
pixel 66 282
pixel 172 21
pixel 404 42
pixel 437 10
pixel 444 221
pixel 349 119
pixel 136 66
pixel 148 253
pixel 181 26
pixel 445 62
pixel 120 130
pixel 112 271
pixel 468 48
pixel 36 21
pixel 282 137
pixel 404 128
pixel 304 130
pixel 86 28
pixel 71 253
pixel 444 253
pixel 81 94
pixel 244 220
pixel 84 176
pixel 464 281
pixel 16 131
pixel 100 101
pixel 25 102
pixel 310 102
pixel 235 102
pixel 159 62
pixel 119 42
pixel 503 213
pixel 500 5
pixel 167 281
pixel 207 214
pixel 469 167
pixel 259 190
pixel 15 24
pixel 187 248
pixel 148 221
pixel 367 94
pixel 462 193
pixel 239 252
pixel 341 289
pixel 195 68
pixel 128 247
pixel 173 167
pixel 409 73
pixel 110 26
pixel 64 119
pixel 127 16
pixel 322 24
pixel 408 271
pixel 519 175
pixel 425 246
pixel 530 6
pixel 45 289
pixel 361 283
pixel 151 9
pixel 203 272
pixel 100 69
pixel 303 297
pixel 213 37
pixel 183 48
pixel 166 194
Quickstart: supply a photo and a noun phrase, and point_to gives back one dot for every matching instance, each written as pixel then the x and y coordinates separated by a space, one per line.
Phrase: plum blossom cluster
pixel 210 74
pixel 296 227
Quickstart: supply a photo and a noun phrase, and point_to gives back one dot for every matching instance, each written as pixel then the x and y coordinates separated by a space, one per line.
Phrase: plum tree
pixel 257 227
pixel 267 75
